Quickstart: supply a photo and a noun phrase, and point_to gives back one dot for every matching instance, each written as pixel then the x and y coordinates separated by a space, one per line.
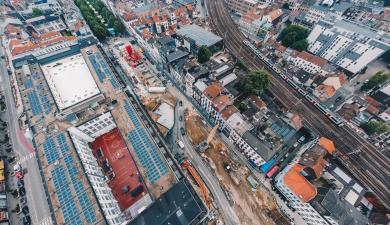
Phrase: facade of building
pixel 348 45
pixel 241 7
pixel 309 63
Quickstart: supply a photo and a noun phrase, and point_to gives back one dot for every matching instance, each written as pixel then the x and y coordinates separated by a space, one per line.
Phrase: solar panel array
pixel 38 98
pixel 34 103
pixel 102 69
pixel 56 147
pixel 145 149
pixel 28 84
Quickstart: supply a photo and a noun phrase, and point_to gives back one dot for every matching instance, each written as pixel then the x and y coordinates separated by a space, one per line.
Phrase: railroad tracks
pixel 370 167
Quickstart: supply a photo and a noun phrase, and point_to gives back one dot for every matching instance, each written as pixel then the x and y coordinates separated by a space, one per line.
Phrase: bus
pixel 272 171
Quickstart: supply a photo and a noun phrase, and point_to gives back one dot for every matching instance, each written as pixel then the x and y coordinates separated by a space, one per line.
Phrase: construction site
pixel 248 198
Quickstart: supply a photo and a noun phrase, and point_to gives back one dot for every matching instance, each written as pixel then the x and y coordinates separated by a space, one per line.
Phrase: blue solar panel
pixel 64 194
pixel 46 103
pixel 114 83
pixel 61 140
pixel 28 84
pixel 51 152
pixel 90 216
pixel 147 154
pixel 34 103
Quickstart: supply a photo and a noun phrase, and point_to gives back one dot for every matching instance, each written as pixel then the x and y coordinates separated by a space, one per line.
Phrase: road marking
pixel 26 158
pixel 46 221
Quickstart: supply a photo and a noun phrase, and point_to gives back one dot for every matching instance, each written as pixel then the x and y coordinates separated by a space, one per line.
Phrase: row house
pixel 309 63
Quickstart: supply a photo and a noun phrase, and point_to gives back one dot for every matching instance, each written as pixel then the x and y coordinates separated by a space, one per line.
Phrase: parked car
pixel 25 210
pixel 19 175
pixel 26 220
pixel 180 103
pixel 20 183
pixel 181 118
pixel 182 131
pixel 23 200
pixel 17 167
pixel 22 191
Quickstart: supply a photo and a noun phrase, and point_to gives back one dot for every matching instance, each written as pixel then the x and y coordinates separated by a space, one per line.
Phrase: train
pixel 333 117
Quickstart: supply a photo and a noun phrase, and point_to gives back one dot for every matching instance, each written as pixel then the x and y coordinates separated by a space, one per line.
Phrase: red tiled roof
pixel 372 109
pixel 296 121
pixel 298 184
pixel 372 101
pixel 49 35
pixel 213 90
pixel 221 102
pixel 228 111
pixel 127 176
pixel 327 144
pixel 257 101
pixel 312 58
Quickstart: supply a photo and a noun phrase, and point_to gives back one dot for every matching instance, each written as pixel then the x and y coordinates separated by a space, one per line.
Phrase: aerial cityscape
pixel 195 112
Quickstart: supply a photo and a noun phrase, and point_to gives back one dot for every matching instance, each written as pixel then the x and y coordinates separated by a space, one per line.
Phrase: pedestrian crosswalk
pixel 46 221
pixel 25 158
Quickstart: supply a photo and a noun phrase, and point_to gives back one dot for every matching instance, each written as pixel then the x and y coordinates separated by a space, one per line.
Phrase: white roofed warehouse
pixel 71 84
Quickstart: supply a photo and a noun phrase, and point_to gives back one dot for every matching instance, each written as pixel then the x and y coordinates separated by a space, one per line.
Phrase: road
pixel 369 166
pixel 36 197
pixel 228 214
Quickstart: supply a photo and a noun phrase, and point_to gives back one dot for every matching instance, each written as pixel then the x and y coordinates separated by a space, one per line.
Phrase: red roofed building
pixel 327 145
pixel 298 184
pixel 308 62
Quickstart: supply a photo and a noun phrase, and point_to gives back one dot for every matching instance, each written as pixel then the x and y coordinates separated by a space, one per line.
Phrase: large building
pixel 348 45
pixel 321 192
pixel 71 84
pixel 241 7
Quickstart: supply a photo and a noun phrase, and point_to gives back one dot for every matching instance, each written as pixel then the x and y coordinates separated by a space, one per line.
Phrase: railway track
pixel 370 167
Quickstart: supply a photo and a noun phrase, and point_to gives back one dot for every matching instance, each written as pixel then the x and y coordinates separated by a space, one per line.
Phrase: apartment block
pixel 348 45
pixel 241 6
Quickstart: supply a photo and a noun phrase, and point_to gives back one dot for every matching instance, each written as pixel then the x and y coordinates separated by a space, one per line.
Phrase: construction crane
pixel 212 134
pixel 203 189
pixel 204 145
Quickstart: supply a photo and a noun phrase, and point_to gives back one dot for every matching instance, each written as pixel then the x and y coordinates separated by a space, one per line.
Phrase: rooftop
pixel 312 58
pixel 70 81
pixel 199 35
pixel 265 152
pixel 178 206
pixel 327 145
pixel 298 184
pixel 112 153
pixel 213 90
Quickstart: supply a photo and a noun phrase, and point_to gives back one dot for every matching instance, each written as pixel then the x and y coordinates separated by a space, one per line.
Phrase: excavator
pixel 204 145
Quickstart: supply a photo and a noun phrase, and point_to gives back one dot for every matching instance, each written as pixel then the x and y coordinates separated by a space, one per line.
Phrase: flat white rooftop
pixel 70 81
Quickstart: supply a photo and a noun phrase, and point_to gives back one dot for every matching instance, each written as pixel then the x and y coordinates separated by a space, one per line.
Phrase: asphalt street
pixel 36 197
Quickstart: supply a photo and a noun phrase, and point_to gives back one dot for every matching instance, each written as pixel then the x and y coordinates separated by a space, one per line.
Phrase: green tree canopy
pixel 300 45
pixel 294 36
pixel 204 54
pixel 379 78
pixel 37 12
pixel 241 65
pixel 255 83
pixel 119 27
pixel 377 127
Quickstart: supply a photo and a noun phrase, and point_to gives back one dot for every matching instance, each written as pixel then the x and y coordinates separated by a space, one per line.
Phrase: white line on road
pixel 46 221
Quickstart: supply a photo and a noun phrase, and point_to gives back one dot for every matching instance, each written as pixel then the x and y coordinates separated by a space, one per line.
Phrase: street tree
pixel 255 83
pixel 204 54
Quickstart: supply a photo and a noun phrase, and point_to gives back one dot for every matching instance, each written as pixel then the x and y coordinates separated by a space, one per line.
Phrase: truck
pixel 180 144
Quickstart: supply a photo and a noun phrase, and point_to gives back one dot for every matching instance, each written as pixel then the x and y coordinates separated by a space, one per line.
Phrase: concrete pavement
pixel 36 197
